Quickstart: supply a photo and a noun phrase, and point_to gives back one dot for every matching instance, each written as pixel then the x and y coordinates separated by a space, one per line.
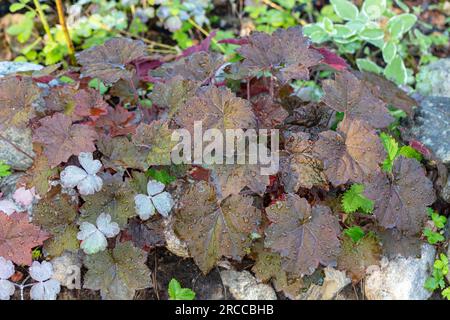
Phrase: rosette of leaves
pixel 401 196
pixel 214 228
pixel 304 236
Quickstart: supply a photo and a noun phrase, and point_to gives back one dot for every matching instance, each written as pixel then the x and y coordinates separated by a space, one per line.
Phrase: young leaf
pixel 391 147
pixel 298 165
pixel 94 237
pixel 214 229
pixel 303 236
pixel 402 201
pixel 86 179
pixel 433 237
pixel 115 199
pixel 160 175
pixel 18 236
pixel 396 70
pixel 345 9
pixel 176 292
pixel 351 154
pixel 62 139
pixel 438 220
pixel 108 62
pixel 117 273
pixel 350 95
pixel 353 200
pixel 410 152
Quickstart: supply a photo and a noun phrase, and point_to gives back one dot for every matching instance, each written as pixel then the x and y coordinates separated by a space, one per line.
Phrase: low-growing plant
pixel 437 280
pixel 176 292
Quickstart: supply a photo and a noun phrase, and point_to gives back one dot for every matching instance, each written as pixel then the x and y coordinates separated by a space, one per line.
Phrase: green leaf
pixel 399 25
pixel 98 85
pixel 389 51
pixel 160 175
pixel 433 237
pixel 355 233
pixel 431 284
pixel 369 66
pixel 410 152
pixel 438 220
pixel 353 200
pixel 345 9
pixel 16 7
pixel 396 70
pixel 374 9
pixel 391 147
pixel 176 292
pixel 5 170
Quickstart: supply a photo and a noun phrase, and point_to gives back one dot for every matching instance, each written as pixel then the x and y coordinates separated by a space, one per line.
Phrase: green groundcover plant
pixel 94 190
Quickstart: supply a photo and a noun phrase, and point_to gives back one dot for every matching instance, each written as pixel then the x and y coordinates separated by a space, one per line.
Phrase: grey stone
pixel 434 79
pixel 8 184
pixel 333 284
pixel 8 67
pixel 401 278
pixel 432 126
pixel 244 286
pixel 10 154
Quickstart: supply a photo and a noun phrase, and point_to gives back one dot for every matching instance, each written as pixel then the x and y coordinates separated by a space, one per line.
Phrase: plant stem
pixel 43 19
pixel 62 22
pixel 206 33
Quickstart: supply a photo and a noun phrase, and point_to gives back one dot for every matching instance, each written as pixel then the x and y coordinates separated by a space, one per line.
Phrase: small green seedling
pixel 176 292
pixel 354 200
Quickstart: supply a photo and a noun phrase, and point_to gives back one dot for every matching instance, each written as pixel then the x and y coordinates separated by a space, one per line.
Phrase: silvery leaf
pixel 6 289
pixel 47 290
pixel 88 163
pixel 71 176
pixel 144 206
pixel 108 228
pixel 163 203
pixel 154 187
pixel 6 268
pixel 41 271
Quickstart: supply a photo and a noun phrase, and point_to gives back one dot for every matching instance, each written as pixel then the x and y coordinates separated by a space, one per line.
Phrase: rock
pixel 244 286
pixel 432 126
pixel 21 138
pixel 445 193
pixel 173 243
pixel 401 278
pixel 434 79
pixel 8 67
pixel 333 283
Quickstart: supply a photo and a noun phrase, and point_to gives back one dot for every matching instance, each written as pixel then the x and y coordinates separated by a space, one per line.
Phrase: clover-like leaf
pixel 354 199
pixel 62 139
pixel 17 96
pixel 213 229
pixel 199 66
pixel 115 199
pixel 350 95
pixel 286 54
pixel 299 167
pixel 156 199
pixel 353 153
pixel 6 271
pixel 401 199
pixel 217 108
pixel 304 236
pixel 108 62
pixel 117 273
pixel 86 179
pixel 356 257
pixel 94 237
pixel 18 236
pixel 46 288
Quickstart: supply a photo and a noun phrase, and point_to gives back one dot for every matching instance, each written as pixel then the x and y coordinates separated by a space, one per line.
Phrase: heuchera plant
pixel 95 151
